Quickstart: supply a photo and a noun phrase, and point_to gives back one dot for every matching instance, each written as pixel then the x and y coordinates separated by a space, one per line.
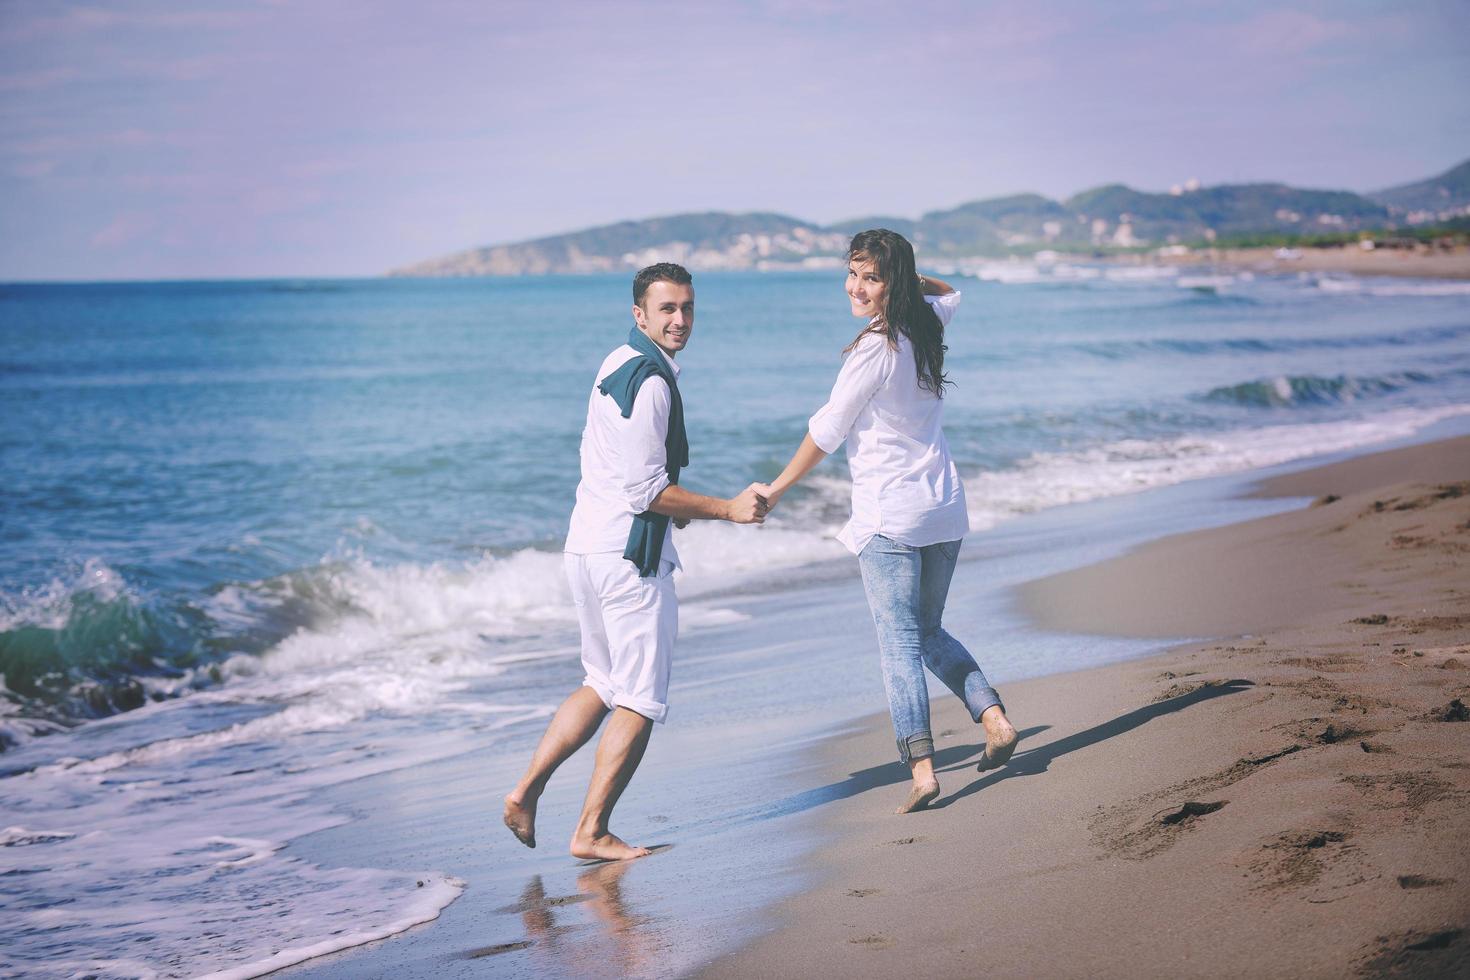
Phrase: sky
pixel 148 140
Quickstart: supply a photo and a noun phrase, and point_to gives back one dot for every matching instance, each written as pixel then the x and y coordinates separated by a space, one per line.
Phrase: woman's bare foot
pixel 521 819
pixel 607 847
pixel 1000 739
pixel 922 795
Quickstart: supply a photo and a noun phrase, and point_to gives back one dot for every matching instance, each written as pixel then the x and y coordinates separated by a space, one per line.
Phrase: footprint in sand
pixel 1454 711
pixel 1416 953
pixel 1422 881
pixel 1186 814
pixel 1297 859
pixel 1333 734
pixel 1409 794
pixel 1135 830
pixel 873 942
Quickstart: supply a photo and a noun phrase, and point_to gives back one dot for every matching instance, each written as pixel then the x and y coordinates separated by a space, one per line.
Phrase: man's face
pixel 667 315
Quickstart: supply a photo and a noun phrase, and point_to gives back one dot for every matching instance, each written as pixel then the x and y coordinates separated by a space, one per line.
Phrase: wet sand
pixel 1289 799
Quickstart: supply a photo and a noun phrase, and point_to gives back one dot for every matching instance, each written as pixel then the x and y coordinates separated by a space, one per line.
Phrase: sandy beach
pixel 1421 263
pixel 1287 799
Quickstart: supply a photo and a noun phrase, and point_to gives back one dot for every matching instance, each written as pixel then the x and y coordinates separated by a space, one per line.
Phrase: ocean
pixel 259 540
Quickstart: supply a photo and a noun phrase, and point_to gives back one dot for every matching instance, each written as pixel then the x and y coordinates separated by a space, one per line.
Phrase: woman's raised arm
pixel 934 287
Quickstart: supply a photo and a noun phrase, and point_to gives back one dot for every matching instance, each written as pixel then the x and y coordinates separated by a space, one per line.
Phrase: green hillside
pixel 1449 192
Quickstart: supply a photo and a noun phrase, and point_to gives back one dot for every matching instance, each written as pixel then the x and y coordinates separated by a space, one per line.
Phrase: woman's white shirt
pixel 904 482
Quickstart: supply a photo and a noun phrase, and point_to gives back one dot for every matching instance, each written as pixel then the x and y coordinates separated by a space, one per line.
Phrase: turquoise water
pixel 258 538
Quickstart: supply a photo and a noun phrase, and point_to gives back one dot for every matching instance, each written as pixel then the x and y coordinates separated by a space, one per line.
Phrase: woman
pixel 908 505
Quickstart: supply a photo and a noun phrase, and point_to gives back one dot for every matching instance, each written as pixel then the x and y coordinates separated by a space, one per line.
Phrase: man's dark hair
pixel 659 272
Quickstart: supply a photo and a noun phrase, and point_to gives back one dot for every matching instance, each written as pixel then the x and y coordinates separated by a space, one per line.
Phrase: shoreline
pixel 1397 263
pixel 1285 801
pixel 1393 263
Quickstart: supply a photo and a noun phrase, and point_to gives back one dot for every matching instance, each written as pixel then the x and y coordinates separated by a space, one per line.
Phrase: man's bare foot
pixel 1000 739
pixel 608 847
pixel 522 821
pixel 921 797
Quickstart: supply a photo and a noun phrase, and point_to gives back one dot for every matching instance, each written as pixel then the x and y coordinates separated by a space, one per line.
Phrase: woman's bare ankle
pixel 922 770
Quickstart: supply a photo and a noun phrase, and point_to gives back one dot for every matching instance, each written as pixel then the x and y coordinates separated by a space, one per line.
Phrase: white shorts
pixel 628 629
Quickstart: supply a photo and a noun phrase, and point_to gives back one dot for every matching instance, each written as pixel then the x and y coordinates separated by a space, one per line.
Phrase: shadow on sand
pixel 1038 760
pixel 1023 763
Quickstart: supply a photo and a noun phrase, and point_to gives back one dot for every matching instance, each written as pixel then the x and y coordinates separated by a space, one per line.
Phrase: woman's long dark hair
pixel 905 312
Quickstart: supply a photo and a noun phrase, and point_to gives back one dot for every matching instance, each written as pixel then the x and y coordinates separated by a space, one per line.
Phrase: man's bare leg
pixel 618 754
pixel 572 725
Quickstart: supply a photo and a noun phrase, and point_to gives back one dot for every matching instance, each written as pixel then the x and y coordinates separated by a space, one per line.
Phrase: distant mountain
pixel 1113 216
pixel 1437 198
pixel 995 224
pixel 1231 209
pixel 710 240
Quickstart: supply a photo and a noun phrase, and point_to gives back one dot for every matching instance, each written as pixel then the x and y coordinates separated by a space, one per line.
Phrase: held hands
pixel 749 506
pixel 769 492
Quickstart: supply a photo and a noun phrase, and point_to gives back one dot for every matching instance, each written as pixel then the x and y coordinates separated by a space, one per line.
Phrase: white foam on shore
pixel 195 832
pixel 1140 273
pixel 1379 287
pixel 361 611
pixel 1045 480
pixel 435 892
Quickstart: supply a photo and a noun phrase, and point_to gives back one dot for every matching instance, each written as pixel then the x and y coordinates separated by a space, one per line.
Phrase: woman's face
pixel 864 288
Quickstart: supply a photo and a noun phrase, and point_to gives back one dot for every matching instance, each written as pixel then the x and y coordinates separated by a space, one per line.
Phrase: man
pixel 620 559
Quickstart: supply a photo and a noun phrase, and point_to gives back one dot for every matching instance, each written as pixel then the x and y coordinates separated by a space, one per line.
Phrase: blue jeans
pixel 906 589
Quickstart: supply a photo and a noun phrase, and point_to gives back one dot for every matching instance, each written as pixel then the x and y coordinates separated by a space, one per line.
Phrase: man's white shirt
pixel 624 463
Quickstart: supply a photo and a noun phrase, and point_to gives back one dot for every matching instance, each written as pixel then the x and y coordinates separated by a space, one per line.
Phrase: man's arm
pixel 645 455
pixel 934 287
pixel 747 507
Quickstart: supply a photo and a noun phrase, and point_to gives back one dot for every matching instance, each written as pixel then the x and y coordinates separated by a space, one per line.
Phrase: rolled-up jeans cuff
pixel 980 699
pixel 916 746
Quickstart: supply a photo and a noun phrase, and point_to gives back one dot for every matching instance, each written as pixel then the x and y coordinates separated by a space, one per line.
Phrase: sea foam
pixel 195 832
pixel 1055 479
